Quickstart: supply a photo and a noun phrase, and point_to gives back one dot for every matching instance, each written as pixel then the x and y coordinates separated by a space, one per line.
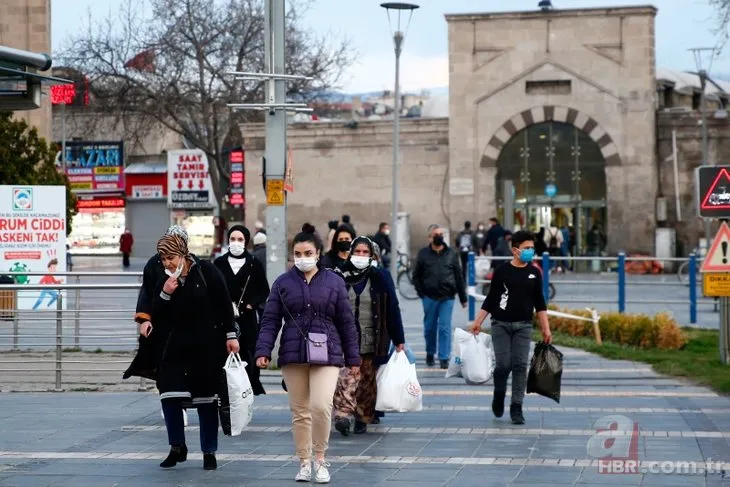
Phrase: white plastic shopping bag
pixel 477 358
pixel 398 387
pixel 461 337
pixel 240 394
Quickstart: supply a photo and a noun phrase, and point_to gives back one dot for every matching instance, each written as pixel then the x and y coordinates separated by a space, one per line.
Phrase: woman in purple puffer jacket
pixel 319 337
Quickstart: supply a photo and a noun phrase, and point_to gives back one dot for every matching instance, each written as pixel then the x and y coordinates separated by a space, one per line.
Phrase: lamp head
pixel 545 5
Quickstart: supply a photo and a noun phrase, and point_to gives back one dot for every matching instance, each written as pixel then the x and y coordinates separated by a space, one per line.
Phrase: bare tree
pixel 166 66
pixel 722 19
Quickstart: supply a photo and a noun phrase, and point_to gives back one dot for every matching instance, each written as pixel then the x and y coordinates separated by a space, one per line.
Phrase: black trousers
pixel 125 259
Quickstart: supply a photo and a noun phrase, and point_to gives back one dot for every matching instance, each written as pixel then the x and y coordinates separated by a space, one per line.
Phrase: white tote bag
pixel 398 387
pixel 461 337
pixel 240 393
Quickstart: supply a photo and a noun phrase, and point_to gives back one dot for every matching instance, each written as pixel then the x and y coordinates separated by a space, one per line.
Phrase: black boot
pixel 444 364
pixel 209 461
pixel 498 403
pixel 515 412
pixel 178 454
pixel 343 426
pixel 360 428
pixel 430 361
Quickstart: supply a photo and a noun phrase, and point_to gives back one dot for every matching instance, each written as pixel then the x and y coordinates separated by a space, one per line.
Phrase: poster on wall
pixel 188 180
pixel 93 166
pixel 33 240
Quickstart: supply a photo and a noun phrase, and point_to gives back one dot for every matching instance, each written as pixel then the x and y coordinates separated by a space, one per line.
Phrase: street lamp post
pixel 398 36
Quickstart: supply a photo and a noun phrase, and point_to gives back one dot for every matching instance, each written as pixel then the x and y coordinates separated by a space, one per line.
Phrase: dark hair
pixel 52 262
pixel 383 225
pixel 345 218
pixel 307 237
pixel 240 228
pixel 332 224
pixel 308 228
pixel 467 224
pixel 508 233
pixel 342 228
pixel 518 238
pixel 494 219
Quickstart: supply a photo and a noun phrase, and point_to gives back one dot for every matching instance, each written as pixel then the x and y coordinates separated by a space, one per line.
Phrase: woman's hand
pixel 262 362
pixel 145 329
pixel 248 306
pixel 355 370
pixel 401 347
pixel 170 285
pixel 232 345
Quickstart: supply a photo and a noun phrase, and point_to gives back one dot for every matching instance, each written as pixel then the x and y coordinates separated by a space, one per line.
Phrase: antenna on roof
pixel 545 5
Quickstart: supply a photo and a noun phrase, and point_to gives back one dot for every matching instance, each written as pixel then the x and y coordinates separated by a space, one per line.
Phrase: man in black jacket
pixel 438 278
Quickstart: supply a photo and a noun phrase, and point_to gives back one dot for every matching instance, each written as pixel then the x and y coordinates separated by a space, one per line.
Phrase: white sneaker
pixel 305 473
pixel 321 473
pixel 185 416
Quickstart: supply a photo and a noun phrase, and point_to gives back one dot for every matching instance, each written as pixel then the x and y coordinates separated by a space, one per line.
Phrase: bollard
pixel 471 280
pixel 693 289
pixel 621 282
pixel 546 276
pixel 59 341
pixel 77 318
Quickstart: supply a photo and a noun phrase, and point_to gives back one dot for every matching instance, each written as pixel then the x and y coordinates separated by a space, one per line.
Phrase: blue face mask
pixel 526 255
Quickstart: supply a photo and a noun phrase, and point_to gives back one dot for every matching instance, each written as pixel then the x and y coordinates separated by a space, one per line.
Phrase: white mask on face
pixel 360 262
pixel 237 248
pixel 178 271
pixel 305 264
pixel 387 232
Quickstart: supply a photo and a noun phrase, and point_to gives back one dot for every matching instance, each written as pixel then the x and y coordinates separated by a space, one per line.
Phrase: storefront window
pixel 201 231
pixel 97 226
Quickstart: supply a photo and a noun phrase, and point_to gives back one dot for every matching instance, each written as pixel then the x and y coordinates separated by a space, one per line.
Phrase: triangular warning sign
pixel 717 196
pixel 275 198
pixel 718 258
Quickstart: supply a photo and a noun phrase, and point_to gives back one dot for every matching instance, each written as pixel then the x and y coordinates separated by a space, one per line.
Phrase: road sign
pixel 718 257
pixel 275 192
pixel 716 284
pixel 713 191
pixel 551 190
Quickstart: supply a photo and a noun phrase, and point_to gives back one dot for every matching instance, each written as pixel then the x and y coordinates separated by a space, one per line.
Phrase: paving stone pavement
pixel 116 437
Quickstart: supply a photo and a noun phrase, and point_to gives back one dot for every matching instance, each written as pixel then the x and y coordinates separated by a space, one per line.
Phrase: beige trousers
pixel 311 390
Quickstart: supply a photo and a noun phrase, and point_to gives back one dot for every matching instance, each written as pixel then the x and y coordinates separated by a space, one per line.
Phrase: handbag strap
pixel 291 318
pixel 243 293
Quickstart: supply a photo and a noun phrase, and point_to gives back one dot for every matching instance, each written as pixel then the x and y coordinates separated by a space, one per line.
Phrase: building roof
pixel 688 83
pixel 146 168
pixel 555 12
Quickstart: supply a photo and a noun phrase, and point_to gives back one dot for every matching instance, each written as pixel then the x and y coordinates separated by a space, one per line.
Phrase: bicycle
pixel 404 280
pixel 683 270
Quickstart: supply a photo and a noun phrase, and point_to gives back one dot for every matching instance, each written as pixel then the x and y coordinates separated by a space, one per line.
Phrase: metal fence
pixel 615 289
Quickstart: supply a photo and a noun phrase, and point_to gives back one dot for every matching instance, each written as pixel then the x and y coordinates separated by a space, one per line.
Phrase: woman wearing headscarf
pixel 192 308
pixel 248 287
pixel 374 301
pixel 340 251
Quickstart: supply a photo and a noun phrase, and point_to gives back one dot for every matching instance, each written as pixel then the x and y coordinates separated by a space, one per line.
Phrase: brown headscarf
pixel 172 244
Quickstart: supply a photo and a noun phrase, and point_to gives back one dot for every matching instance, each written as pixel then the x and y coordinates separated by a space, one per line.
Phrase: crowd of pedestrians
pixel 339 318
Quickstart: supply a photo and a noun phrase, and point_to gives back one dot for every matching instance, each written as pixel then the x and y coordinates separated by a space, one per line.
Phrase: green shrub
pixel 638 330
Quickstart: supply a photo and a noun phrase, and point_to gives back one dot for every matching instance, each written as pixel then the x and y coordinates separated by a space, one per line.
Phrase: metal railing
pixel 620 283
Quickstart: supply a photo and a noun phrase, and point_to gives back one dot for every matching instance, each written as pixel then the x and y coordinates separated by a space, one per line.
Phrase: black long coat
pixel 257 292
pixel 198 320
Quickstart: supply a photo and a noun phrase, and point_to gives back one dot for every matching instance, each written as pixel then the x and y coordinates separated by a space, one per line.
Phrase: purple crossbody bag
pixel 317 350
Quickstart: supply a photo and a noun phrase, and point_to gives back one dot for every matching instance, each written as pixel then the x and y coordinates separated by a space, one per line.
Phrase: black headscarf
pixel 351 274
pixel 246 235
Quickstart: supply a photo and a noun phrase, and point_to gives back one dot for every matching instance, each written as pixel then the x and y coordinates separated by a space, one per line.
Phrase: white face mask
pixel 360 262
pixel 177 272
pixel 387 232
pixel 237 248
pixel 305 264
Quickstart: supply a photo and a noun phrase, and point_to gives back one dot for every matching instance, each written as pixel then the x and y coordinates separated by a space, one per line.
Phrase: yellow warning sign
pixel 716 284
pixel 275 192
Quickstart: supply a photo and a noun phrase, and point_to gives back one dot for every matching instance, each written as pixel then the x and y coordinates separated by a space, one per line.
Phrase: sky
pixel 680 25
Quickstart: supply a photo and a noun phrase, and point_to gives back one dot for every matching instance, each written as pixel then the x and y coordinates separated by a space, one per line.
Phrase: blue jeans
pixel 437 326
pixel 207 416
pixel 44 293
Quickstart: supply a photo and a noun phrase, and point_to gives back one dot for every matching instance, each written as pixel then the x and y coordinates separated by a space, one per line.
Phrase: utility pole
pixel 276 109
pixel 703 74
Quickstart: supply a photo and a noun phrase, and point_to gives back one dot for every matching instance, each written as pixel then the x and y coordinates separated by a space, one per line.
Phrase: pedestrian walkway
pixel 105 439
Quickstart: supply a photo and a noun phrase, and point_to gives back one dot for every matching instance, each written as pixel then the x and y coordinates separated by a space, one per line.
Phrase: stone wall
pixel 339 170
pixel 26 25
pixel 689 156
pixel 606 55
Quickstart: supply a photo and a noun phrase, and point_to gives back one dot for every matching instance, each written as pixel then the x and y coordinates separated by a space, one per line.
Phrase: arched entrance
pixel 559 178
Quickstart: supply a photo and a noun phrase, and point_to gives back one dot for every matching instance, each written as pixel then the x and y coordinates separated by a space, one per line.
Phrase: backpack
pixel 465 242
pixel 554 240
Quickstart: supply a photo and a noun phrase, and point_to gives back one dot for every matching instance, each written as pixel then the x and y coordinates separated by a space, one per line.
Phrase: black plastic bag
pixel 224 405
pixel 546 372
